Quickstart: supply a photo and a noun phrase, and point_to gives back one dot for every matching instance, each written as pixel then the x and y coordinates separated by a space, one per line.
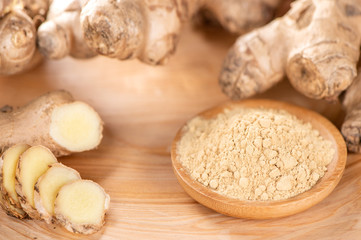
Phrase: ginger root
pixel 61 34
pixel 316 43
pixel 351 127
pixel 53 120
pixel 145 29
pixel 18 22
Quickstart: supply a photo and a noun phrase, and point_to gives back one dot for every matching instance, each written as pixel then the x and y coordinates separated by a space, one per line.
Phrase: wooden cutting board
pixel 143 107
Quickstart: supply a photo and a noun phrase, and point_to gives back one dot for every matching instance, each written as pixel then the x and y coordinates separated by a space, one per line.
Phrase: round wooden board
pixel 143 107
pixel 267 209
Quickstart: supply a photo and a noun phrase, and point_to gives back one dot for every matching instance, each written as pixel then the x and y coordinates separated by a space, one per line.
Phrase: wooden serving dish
pixel 268 209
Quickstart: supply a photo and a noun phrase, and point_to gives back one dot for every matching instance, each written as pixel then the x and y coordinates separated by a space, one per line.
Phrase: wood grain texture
pixel 143 107
pixel 267 209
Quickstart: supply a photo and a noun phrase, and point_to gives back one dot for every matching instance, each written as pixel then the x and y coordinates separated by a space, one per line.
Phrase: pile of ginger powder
pixel 254 154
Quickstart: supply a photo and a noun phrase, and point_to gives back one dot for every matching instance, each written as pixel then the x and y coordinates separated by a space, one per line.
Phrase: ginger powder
pixel 254 154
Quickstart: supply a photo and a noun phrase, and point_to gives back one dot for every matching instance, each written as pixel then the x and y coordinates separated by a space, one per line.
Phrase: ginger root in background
pixel 18 22
pixel 351 127
pixel 316 44
pixel 145 29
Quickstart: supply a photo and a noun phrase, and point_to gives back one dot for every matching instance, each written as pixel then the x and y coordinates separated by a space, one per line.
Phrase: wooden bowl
pixel 268 209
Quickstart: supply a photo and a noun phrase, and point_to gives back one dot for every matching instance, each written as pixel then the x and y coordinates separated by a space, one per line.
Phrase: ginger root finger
pixel 55 121
pixel 80 206
pixel 48 186
pixel 247 70
pixel 60 35
pixel 113 28
pixel 318 47
pixel 5 7
pixel 351 127
pixel 240 16
pixel 32 164
pixel 8 165
pixel 17 42
pixel 19 20
pixel 36 9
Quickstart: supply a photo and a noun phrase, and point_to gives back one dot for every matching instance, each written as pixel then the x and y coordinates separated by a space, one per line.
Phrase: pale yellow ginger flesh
pixel 48 187
pixel 76 127
pixel 10 161
pixel 80 206
pixel 33 163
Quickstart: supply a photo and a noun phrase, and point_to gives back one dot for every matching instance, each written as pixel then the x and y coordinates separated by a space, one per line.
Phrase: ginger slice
pixel 80 206
pixel 47 187
pixel 8 164
pixel 76 127
pixel 32 164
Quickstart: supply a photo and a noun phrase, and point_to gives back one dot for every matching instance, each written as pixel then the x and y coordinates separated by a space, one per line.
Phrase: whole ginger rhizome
pixel 254 153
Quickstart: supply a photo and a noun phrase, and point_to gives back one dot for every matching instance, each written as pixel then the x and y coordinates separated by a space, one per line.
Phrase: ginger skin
pixel 48 121
pixel 61 35
pixel 351 127
pixel 316 44
pixel 150 29
pixel 5 6
pixel 18 22
pixel 145 29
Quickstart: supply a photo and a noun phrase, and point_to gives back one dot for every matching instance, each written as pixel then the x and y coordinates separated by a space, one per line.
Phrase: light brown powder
pixel 254 153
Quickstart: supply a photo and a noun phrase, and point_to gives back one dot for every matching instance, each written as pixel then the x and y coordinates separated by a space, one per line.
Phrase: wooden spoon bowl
pixel 268 209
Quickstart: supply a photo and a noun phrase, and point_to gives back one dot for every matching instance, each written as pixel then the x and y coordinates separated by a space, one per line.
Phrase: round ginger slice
pixel 47 187
pixel 80 206
pixel 76 127
pixel 33 163
pixel 8 164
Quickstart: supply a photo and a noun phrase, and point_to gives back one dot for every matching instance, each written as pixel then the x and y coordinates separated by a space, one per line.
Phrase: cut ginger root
pixel 33 163
pixel 317 43
pixel 8 164
pixel 80 206
pixel 47 187
pixel 54 120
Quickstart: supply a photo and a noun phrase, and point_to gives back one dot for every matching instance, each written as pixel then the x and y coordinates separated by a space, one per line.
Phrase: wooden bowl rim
pixel 267 209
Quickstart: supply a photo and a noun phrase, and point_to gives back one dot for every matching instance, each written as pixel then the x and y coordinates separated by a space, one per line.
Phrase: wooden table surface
pixel 142 107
